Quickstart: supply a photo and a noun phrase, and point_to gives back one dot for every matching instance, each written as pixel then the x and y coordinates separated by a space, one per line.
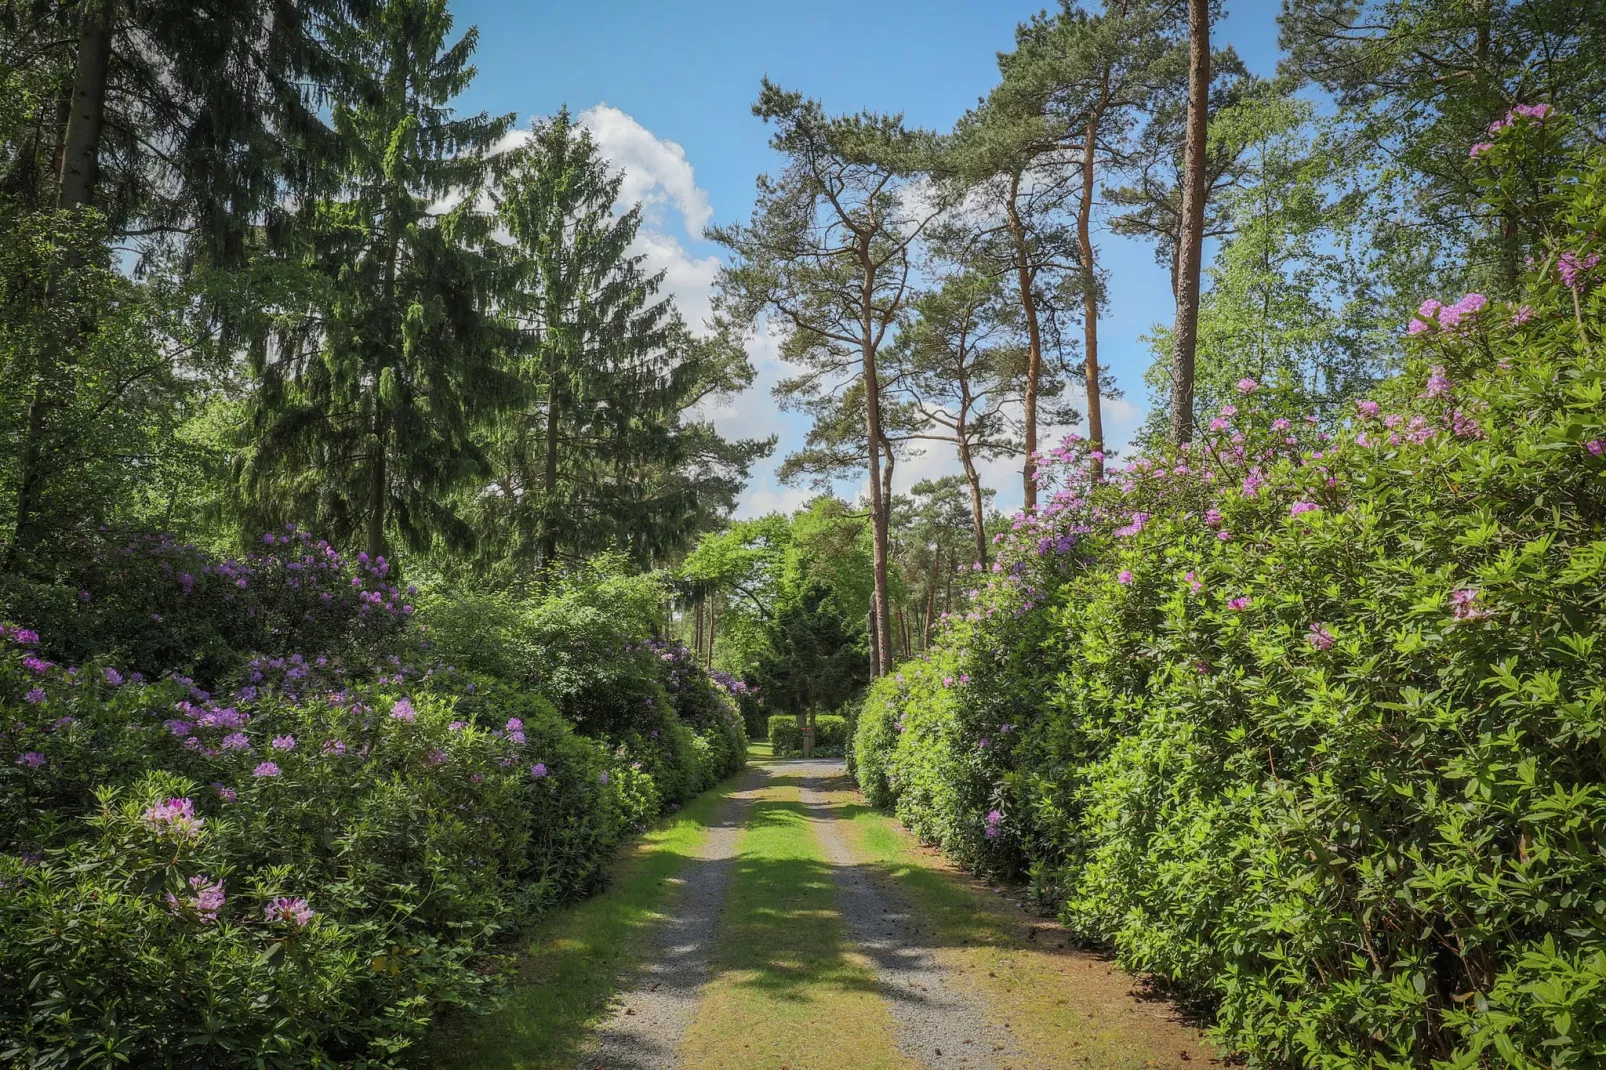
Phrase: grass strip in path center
pixel 788 990
pixel 577 957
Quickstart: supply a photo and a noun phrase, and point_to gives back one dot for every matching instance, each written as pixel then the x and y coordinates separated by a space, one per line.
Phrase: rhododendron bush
pixel 1309 720
pixel 302 857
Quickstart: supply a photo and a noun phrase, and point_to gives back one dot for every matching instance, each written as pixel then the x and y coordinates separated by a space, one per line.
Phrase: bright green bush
pixel 786 739
pixel 1312 724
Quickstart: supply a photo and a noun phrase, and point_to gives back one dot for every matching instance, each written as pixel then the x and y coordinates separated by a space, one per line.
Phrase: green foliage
pixel 1311 726
pixel 413 839
pixel 1281 307
pixel 420 808
pixel 364 415
pixel 602 452
pixel 786 737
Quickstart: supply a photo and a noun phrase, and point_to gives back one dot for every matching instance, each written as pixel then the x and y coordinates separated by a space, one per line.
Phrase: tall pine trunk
pixel 1090 296
pixel 881 638
pixel 80 157
pixel 931 597
pixel 1185 338
pixel 977 521
pixel 1024 278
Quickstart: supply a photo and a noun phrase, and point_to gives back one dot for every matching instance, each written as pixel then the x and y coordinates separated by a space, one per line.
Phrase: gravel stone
pixel 942 1023
pixel 644 1031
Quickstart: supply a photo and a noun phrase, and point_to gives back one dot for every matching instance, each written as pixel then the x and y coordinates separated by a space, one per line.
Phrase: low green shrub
pixel 1309 721
pixel 786 738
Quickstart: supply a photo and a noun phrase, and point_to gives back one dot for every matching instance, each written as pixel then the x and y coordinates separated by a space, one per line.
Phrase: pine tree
pixel 827 255
pixel 365 409
pixel 602 453
pixel 176 128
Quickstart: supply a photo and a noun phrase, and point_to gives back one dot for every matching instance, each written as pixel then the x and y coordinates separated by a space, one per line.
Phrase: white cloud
pixel 656 170
pixel 765 497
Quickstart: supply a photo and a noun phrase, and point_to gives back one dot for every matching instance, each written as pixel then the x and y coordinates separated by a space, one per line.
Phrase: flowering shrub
pixel 301 859
pixel 1309 720
pixel 324 899
pixel 152 603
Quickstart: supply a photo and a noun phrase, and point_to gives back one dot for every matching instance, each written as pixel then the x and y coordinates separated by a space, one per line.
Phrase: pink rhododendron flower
pixel 290 911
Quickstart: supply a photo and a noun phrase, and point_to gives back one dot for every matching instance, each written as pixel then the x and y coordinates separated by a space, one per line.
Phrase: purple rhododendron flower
pixel 1574 269
pixel 1319 637
pixel 1597 446
pixel 31 759
pixel 284 743
pixel 1247 386
pixel 114 677
pixel 266 769
pixel 403 711
pixel 995 824
pixel 35 696
pixel 175 817
pixel 1368 409
pixel 205 902
pixel 604 777
pixel 538 770
pixel 1301 508
pixel 1124 577
pixel 1239 603
pixel 290 911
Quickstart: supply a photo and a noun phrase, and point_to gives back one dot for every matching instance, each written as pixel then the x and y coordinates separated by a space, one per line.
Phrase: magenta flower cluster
pixel 203 903
pixel 175 818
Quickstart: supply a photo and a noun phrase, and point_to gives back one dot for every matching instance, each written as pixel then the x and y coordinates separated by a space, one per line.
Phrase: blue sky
pixel 667 88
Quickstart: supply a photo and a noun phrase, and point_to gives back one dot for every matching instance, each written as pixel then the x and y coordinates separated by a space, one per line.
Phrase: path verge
pixel 576 960
pixel 1062 1005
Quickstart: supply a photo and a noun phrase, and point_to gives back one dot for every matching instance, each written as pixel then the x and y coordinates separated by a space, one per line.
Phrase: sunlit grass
pixel 574 960
pixel 788 990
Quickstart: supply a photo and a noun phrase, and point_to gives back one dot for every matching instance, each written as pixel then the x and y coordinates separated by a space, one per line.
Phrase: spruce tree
pixel 602 451
pixel 365 409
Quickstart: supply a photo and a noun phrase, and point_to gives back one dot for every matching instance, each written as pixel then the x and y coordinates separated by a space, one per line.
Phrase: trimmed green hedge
pixel 1311 724
pixel 830 735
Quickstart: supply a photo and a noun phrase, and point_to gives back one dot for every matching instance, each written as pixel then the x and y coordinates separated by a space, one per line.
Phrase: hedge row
pixel 305 862
pixel 1314 724
pixel 830 736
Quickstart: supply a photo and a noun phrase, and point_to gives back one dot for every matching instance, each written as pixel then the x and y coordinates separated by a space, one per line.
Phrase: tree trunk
pixel 977 521
pixel 80 159
pixel 1025 277
pixel 713 618
pixel 1185 337
pixel 376 499
pixel 1090 297
pixel 931 597
pixel 697 633
pixel 880 639
pixel 875 655
pixel 549 478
